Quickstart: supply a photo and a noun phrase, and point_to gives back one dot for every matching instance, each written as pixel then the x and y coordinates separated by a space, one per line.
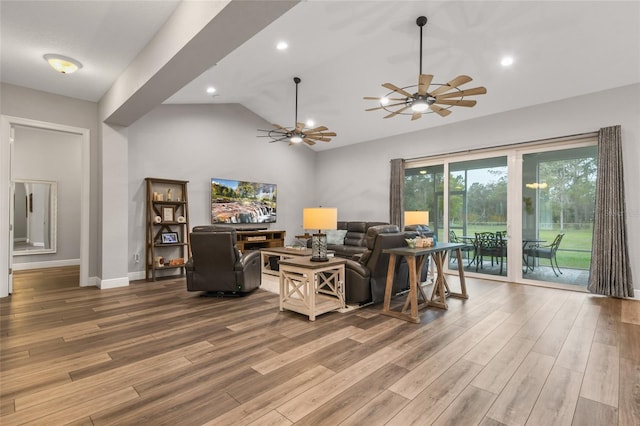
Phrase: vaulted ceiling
pixel 342 51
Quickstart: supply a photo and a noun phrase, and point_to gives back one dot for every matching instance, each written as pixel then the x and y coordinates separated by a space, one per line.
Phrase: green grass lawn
pixel 574 251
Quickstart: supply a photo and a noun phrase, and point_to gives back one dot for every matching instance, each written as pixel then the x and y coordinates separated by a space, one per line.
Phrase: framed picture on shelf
pixel 168 214
pixel 169 237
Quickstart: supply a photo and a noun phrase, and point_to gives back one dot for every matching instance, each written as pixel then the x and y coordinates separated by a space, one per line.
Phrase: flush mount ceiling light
pixel 429 97
pixel 62 64
pixel 298 133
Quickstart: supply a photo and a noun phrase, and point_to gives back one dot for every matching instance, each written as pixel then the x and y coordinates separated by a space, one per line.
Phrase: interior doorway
pixel 9 136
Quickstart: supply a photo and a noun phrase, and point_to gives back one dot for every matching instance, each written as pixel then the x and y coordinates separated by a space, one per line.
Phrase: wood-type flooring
pixel 154 354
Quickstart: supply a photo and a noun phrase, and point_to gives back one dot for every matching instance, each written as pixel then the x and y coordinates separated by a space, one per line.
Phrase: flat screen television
pixel 237 201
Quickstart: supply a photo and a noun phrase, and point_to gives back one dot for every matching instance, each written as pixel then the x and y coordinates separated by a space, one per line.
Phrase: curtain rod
pixel 511 145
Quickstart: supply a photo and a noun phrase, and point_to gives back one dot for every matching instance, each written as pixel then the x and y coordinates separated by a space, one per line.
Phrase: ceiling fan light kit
pixel 427 97
pixel 298 133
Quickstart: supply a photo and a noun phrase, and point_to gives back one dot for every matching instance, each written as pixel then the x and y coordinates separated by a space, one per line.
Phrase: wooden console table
pixel 253 240
pixel 415 260
pixel 312 288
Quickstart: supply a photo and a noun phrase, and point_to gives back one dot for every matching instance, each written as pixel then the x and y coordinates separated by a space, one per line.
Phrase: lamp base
pixel 319 259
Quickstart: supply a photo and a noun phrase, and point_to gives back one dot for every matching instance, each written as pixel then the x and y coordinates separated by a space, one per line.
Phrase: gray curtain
pixel 610 272
pixel 396 193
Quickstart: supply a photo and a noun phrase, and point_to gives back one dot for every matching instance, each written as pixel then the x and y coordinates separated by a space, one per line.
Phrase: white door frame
pixel 7 123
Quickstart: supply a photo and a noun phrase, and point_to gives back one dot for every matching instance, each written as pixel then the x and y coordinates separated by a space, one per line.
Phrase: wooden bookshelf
pixel 167 235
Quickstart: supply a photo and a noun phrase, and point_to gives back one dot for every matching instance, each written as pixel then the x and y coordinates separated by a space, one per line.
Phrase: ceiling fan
pixel 429 97
pixel 298 133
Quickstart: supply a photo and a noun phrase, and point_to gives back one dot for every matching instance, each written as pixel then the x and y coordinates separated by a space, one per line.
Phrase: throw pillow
pixel 336 236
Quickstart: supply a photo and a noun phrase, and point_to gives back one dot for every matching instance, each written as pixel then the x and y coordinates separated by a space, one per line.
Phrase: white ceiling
pixel 344 50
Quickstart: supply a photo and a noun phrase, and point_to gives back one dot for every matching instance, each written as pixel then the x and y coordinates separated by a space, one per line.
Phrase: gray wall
pixel 366 166
pixel 48 155
pixel 21 102
pixel 199 142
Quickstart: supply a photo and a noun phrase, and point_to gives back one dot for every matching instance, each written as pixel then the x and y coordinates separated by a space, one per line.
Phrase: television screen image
pixel 234 201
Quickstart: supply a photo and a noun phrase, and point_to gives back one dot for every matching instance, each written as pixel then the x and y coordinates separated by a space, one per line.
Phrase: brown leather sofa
pixel 216 265
pixel 355 238
pixel 366 277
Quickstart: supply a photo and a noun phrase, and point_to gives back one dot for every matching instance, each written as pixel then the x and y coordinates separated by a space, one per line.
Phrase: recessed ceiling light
pixel 310 123
pixel 211 90
pixel 506 61
pixel 282 45
pixel 62 64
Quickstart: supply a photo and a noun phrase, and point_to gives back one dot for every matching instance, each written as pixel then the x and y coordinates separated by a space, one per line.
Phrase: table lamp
pixel 416 218
pixel 319 218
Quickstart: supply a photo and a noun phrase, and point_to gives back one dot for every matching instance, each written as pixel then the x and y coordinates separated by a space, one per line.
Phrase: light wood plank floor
pixel 155 354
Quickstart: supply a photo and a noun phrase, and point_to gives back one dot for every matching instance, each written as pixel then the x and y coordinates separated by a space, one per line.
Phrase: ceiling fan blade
pixel 456 102
pixel 299 127
pixel 387 106
pixel 461 79
pixel 375 98
pixel 467 92
pixel 416 115
pixel 308 141
pixel 440 111
pixel 393 114
pixel 424 81
pixel 320 135
pixel 397 90
pixel 317 129
pixel 284 138
pixel 277 126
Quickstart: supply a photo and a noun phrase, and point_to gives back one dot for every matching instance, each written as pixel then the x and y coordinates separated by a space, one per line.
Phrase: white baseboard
pixel 113 283
pixel 93 282
pixel 47 264
pixel 137 275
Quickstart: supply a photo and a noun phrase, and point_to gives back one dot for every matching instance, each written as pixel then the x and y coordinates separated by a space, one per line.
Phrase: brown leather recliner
pixel 366 278
pixel 216 265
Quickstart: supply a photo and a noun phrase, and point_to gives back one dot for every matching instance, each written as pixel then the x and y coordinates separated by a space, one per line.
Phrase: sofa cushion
pixel 336 236
pixel 356 232
pixel 374 231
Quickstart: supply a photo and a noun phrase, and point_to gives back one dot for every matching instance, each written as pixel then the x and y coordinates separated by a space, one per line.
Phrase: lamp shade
pixel 320 218
pixel 416 218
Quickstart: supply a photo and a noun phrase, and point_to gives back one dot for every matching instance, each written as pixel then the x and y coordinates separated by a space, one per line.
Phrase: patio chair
pixel 492 245
pixel 453 238
pixel 546 252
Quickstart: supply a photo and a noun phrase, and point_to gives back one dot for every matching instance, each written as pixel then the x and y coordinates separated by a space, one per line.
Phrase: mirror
pixel 34 217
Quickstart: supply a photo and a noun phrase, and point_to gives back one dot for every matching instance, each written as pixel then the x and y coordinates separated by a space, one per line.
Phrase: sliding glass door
pixel 558 201
pixel 525 213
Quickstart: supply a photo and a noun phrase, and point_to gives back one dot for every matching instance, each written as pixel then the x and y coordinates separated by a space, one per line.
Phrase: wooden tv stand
pixel 254 240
